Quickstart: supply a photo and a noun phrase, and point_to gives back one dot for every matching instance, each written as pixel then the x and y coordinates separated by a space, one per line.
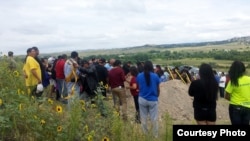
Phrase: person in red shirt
pixel 134 90
pixel 116 78
pixel 60 78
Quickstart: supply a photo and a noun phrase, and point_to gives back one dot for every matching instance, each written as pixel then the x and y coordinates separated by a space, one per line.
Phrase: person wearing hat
pixel 11 61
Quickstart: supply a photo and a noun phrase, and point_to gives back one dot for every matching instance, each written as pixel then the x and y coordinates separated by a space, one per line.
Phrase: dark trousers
pixel 222 91
pixel 239 115
pixel 137 115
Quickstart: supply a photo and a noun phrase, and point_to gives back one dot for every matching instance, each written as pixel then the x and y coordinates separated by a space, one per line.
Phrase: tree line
pixel 174 55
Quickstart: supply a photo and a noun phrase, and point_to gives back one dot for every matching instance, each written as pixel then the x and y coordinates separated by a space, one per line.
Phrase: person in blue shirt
pixel 149 91
pixel 217 77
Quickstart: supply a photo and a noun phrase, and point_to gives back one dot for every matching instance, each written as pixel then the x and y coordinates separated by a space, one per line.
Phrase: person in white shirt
pixel 222 84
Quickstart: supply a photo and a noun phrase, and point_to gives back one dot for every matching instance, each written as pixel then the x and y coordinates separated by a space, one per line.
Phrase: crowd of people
pixel 72 77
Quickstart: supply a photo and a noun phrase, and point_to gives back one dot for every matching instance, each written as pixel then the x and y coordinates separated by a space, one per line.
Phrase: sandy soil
pixel 177 104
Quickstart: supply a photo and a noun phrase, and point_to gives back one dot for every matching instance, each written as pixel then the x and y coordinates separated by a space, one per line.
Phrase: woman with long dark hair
pixel 238 93
pixel 149 92
pixel 134 90
pixel 204 91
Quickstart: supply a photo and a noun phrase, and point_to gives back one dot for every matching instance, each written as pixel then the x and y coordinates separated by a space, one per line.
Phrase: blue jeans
pixel 239 115
pixel 149 108
pixel 62 88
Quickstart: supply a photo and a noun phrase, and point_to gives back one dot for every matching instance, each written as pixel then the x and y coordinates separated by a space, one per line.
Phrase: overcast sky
pixel 67 25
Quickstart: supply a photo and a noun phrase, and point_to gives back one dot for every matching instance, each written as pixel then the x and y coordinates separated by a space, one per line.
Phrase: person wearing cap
pixel 11 61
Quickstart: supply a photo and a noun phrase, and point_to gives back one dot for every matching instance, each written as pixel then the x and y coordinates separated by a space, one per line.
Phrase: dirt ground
pixel 177 104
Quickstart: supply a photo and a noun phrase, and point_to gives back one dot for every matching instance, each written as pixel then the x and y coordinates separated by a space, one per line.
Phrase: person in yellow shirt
pixel 238 93
pixel 25 69
pixel 32 71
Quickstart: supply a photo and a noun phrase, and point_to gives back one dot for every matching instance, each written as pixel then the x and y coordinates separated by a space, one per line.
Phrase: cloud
pixel 61 25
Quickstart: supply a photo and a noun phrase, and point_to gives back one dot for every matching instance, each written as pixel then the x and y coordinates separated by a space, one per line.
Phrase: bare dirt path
pixel 177 104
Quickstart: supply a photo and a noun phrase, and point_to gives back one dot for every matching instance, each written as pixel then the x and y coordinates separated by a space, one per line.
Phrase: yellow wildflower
pixel 59 128
pixel 105 139
pixel 35 117
pixel 82 102
pixel 16 73
pixel 50 101
pixel 42 122
pixel 93 105
pixel 86 128
pixel 106 86
pixel 59 109
pixel 90 138
pixel 1 101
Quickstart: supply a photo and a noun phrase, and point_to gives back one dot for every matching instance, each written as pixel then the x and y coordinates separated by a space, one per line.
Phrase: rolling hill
pixel 237 43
